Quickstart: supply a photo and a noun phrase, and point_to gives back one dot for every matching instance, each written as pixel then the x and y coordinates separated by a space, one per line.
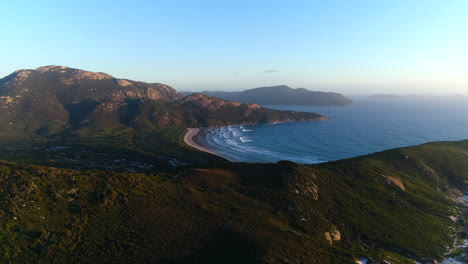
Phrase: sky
pixel 347 46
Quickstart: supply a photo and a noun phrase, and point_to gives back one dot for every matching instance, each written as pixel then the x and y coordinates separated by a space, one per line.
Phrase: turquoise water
pixel 366 127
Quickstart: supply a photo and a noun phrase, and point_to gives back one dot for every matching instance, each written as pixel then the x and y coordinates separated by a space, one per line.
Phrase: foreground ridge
pixel 393 206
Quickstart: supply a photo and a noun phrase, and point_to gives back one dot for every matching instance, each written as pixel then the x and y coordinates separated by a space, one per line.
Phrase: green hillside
pixel 392 206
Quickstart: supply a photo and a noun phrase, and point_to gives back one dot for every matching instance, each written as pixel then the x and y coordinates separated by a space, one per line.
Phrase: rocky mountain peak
pixel 70 75
pixel 22 74
pixel 51 68
pixel 75 85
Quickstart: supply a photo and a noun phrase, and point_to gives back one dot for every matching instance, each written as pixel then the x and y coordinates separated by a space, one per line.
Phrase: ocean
pixel 369 126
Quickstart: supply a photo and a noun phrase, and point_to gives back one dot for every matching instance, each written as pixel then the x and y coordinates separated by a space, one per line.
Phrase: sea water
pixel 368 126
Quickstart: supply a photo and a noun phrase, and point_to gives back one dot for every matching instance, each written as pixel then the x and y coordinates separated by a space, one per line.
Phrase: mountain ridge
pixel 284 95
pixel 52 99
pixel 56 106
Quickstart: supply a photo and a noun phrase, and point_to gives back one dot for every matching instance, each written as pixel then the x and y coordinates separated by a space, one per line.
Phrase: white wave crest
pixel 245 139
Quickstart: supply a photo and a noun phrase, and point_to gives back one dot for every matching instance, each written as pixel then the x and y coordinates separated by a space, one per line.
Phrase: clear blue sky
pixel 349 46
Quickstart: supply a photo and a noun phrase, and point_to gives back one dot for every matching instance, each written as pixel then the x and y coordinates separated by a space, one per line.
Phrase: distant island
pixel 283 95
pixel 385 96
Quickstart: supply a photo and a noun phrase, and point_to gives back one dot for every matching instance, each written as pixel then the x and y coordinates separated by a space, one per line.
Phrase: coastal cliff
pixel 211 111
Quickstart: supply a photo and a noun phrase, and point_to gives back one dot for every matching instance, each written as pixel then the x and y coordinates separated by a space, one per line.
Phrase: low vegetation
pixel 238 212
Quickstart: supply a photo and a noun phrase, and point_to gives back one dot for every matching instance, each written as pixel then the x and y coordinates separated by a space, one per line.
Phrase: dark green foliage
pixel 236 212
pixel 120 150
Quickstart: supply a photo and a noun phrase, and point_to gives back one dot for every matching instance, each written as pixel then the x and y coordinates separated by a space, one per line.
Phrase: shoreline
pixel 189 140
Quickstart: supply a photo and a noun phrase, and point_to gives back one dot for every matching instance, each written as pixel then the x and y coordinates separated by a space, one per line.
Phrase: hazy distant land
pixel 283 95
pixel 385 96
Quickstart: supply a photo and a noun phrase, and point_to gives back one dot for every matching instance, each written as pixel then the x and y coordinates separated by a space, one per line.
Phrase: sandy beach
pixel 188 139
